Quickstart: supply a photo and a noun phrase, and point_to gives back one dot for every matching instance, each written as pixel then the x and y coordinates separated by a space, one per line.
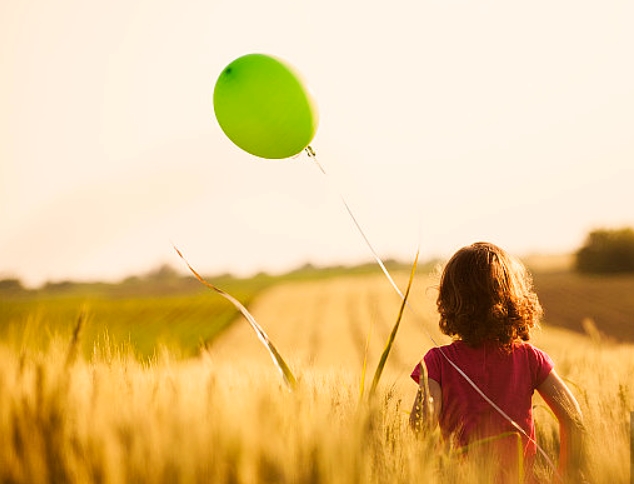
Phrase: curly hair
pixel 487 295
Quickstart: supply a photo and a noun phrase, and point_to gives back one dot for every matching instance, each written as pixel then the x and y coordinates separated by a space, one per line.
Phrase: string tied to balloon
pixel 312 155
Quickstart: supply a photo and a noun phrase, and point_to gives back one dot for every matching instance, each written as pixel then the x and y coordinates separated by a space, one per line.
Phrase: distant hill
pixel 602 306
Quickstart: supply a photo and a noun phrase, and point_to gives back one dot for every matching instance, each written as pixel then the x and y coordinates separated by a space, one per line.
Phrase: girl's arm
pixel 571 430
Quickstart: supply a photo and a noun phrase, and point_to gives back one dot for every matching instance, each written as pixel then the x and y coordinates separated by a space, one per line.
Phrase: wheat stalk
pixel 71 354
pixel 279 362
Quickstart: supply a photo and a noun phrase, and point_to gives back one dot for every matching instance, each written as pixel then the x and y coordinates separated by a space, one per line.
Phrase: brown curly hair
pixel 487 295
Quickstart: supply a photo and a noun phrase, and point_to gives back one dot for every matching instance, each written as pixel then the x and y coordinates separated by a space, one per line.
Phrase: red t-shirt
pixel 508 379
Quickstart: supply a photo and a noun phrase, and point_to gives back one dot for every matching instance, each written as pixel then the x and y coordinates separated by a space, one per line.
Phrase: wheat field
pixel 227 417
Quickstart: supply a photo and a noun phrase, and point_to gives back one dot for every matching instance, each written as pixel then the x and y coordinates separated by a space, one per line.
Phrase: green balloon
pixel 263 106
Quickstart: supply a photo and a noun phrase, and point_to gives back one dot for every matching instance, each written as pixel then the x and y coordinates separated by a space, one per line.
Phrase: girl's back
pixel 509 378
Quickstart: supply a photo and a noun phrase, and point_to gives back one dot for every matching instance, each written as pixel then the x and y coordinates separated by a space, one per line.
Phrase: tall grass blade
pixel 279 362
pixel 392 337
pixel 365 364
pixel 71 354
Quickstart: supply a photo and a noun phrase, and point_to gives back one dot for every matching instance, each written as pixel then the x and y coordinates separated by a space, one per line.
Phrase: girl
pixel 487 304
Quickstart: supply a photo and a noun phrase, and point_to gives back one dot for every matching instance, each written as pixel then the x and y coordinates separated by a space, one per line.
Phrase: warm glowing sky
pixel 441 121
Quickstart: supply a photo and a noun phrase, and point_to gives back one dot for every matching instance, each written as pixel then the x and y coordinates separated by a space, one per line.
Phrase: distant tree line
pixel 607 252
pixel 604 251
pixel 11 285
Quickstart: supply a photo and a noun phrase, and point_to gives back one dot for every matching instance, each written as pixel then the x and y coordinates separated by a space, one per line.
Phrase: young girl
pixel 487 304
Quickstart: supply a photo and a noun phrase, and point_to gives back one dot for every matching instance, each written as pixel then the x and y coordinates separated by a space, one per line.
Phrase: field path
pixel 325 324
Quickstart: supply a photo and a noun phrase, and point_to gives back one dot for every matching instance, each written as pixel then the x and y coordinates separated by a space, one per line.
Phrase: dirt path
pixel 325 324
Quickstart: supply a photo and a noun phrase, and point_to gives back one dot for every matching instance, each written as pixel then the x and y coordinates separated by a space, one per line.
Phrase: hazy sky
pixel 442 122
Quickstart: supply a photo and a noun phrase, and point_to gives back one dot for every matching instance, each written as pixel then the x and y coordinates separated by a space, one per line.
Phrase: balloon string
pixel 311 154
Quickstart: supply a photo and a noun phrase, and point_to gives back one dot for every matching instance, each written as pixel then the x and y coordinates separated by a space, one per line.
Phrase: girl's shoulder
pixel 527 348
pixel 538 361
pixel 521 350
pixel 457 351
pixel 452 348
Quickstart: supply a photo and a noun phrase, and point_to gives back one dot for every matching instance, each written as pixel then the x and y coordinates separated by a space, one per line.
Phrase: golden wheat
pixel 227 416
